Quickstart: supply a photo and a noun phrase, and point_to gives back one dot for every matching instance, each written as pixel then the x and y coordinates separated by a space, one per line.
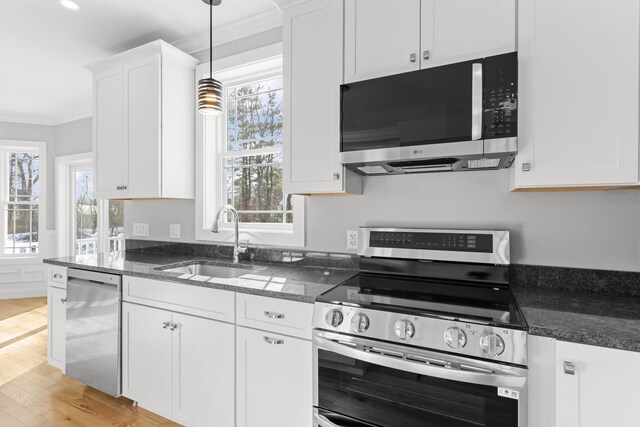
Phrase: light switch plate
pixel 352 239
pixel 174 231
pixel 140 229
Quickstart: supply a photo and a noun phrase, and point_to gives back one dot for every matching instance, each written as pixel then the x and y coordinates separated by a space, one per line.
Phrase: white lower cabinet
pixel 577 385
pixel 179 366
pixel 57 316
pixel 274 379
pixel 603 389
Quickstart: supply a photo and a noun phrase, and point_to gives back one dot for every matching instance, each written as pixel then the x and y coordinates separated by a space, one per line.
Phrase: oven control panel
pixel 462 338
pixel 461 242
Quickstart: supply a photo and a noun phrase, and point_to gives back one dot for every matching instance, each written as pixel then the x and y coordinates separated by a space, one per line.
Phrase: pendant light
pixel 210 89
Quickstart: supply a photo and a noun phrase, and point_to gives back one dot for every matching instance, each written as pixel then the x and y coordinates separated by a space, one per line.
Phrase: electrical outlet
pixel 352 239
pixel 174 231
pixel 140 229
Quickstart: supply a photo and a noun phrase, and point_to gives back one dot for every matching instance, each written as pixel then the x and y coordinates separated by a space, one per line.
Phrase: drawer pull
pixel 57 276
pixel 165 325
pixel 276 341
pixel 569 368
pixel 273 315
pixel 63 300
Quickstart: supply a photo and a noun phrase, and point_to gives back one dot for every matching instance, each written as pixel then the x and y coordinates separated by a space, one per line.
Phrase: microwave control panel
pixel 500 105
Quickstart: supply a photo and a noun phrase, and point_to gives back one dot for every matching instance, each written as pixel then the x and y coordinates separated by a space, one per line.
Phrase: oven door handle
pixel 488 379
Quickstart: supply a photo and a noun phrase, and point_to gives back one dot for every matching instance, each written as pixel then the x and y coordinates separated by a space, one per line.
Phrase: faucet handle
pixel 243 245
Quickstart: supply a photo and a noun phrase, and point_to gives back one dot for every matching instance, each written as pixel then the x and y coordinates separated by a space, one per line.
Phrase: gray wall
pixel 599 229
pixel 43 133
pixel 67 138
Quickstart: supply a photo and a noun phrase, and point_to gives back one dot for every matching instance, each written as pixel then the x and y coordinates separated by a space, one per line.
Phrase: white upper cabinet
pixel 460 30
pixel 313 73
pixel 596 386
pixel 144 123
pixel 578 91
pixel 383 39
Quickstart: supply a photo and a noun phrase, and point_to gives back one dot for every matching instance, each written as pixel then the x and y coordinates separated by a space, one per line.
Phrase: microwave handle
pixel 476 102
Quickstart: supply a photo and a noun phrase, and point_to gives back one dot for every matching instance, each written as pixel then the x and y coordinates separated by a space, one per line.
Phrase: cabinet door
pixel 143 112
pixel 603 389
pixel 313 68
pixel 578 112
pixel 109 133
pixel 203 369
pixel 381 38
pixel 274 386
pixel 146 357
pixel 460 30
pixel 57 318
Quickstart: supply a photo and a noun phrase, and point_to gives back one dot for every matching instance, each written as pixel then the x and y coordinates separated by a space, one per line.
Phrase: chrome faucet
pixel 238 247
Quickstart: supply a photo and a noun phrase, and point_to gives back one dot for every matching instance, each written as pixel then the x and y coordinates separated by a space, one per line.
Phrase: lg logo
pixel 417 151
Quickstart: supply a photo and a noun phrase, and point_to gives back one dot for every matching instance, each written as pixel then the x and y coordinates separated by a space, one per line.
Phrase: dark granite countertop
pixel 278 280
pixel 581 316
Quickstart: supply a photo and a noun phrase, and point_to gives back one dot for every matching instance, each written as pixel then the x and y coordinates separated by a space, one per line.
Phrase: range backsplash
pixel 607 282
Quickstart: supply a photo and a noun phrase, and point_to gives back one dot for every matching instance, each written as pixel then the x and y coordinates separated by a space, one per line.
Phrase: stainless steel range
pixel 426 334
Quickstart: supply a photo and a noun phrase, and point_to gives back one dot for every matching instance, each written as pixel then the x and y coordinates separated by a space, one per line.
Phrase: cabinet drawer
pixel 272 314
pixel 57 276
pixel 197 300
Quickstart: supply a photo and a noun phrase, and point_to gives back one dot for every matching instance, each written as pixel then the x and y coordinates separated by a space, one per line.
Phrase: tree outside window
pixel 252 156
pixel 21 211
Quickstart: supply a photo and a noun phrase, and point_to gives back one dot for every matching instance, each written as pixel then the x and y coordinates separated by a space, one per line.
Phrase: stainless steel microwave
pixel 455 117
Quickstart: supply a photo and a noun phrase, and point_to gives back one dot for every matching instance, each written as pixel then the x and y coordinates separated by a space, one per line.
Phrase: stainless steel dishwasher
pixel 93 329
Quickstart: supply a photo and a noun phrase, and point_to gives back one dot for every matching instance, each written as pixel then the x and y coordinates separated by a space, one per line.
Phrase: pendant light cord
pixel 210 39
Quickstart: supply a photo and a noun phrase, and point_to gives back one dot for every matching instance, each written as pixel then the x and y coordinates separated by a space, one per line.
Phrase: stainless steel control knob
pixel 404 329
pixel 334 318
pixel 492 344
pixel 455 337
pixel 360 322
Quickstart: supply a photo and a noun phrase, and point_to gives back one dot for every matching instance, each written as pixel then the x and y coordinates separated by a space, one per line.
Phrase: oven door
pixel 365 383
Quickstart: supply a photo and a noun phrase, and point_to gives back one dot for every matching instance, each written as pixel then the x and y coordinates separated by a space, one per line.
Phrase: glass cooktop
pixel 457 300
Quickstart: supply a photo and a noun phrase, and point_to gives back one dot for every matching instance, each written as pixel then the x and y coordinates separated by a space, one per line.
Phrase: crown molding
pixel 71 117
pixel 26 119
pixel 254 24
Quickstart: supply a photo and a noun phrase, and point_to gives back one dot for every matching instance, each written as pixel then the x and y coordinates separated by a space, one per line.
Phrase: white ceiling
pixel 44 47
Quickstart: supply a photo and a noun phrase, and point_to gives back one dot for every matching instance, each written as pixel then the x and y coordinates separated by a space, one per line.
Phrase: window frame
pixel 7 146
pixel 248 66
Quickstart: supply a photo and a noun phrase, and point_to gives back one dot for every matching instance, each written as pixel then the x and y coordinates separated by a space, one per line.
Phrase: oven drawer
pixel 272 314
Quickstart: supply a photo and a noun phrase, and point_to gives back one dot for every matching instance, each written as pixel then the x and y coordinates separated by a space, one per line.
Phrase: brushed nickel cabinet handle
pixel 413 58
pixel 63 300
pixel 165 325
pixel 273 315
pixel 275 341
pixel 173 326
pixel 57 276
pixel 426 54
pixel 569 368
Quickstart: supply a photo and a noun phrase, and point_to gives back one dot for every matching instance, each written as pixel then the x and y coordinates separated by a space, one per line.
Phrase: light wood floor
pixel 32 393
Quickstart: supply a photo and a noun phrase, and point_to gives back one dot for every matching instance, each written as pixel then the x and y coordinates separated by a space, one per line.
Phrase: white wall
pixel 599 229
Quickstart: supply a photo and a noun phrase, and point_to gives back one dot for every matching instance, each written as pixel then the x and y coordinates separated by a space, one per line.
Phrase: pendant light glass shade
pixel 210 89
pixel 210 97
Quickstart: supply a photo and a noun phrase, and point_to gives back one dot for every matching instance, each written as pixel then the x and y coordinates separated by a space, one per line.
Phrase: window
pixel 240 160
pixel 252 156
pixel 91 215
pixel 21 180
pixel 21 212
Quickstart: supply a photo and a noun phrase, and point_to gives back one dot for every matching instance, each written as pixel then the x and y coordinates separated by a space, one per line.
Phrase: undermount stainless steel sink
pixel 211 270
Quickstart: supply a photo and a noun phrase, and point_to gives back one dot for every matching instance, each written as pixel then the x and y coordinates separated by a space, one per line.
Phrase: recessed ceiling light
pixel 70 4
